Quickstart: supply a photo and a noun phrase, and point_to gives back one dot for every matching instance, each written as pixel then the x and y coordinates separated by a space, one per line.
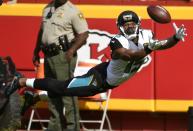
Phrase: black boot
pixel 30 99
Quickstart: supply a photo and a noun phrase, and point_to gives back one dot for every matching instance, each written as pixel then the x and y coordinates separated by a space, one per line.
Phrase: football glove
pixel 155 44
pixel 180 32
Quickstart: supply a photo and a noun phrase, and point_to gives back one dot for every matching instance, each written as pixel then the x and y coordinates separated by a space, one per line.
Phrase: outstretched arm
pixel 180 33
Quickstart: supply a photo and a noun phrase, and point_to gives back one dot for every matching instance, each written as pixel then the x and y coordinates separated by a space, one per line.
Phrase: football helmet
pixel 125 17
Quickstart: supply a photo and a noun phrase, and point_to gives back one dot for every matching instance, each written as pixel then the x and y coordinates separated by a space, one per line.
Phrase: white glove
pixel 155 44
pixel 180 32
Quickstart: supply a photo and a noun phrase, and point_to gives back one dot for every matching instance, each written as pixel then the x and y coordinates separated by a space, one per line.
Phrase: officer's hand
pixel 36 60
pixel 69 55
pixel 180 32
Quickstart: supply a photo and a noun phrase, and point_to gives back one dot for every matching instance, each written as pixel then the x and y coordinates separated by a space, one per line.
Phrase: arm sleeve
pixel 79 23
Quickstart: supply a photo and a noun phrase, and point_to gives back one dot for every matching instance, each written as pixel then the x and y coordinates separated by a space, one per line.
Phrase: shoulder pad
pixel 122 40
pixel 146 34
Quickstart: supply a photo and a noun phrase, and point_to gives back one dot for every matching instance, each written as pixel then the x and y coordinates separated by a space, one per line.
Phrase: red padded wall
pixel 18 38
pixel 174 67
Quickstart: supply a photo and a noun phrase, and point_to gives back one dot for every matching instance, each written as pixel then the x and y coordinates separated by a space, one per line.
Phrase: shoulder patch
pixel 81 16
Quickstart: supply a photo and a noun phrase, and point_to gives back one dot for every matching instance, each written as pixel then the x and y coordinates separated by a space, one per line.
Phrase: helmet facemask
pixel 130 19
pixel 131 32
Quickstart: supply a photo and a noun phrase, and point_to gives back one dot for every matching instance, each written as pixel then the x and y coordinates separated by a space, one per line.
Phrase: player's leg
pixel 68 88
pixel 87 85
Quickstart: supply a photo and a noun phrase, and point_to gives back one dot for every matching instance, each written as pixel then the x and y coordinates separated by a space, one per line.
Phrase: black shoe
pixel 28 101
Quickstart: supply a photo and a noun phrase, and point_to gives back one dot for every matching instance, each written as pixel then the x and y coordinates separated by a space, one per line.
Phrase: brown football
pixel 159 14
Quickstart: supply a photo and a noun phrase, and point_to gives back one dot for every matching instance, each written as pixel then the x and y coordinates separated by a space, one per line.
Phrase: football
pixel 159 14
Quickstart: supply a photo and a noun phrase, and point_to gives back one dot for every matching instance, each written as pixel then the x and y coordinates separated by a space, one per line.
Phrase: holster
pixel 64 42
pixel 53 49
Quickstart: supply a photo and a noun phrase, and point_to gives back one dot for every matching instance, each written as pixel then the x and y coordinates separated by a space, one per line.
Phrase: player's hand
pixel 180 32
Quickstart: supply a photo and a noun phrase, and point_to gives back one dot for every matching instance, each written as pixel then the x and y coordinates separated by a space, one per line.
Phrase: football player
pixel 129 47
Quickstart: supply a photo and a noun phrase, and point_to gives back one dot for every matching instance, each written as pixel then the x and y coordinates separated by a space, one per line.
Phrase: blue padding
pixel 78 82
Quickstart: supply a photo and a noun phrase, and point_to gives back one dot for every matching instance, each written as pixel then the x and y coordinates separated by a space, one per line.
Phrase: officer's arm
pixel 38 42
pixel 80 40
pixel 36 57
pixel 80 28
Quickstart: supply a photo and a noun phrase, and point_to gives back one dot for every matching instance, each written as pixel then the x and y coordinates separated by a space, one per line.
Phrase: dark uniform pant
pixel 58 68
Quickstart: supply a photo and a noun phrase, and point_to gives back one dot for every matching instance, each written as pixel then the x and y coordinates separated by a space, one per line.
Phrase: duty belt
pixel 53 49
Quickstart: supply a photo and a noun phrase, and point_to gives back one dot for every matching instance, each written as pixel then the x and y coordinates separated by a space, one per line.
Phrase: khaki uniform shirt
pixel 65 20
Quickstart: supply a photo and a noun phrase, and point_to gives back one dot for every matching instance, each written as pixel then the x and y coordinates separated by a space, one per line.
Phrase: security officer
pixel 63 31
